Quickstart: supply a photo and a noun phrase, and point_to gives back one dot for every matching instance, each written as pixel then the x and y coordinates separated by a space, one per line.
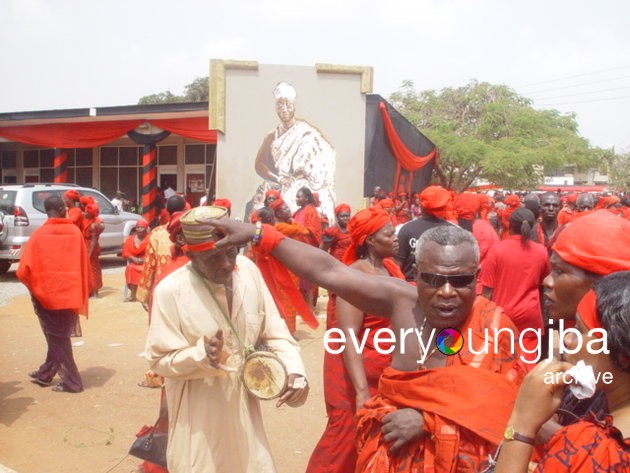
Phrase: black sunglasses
pixel 438 280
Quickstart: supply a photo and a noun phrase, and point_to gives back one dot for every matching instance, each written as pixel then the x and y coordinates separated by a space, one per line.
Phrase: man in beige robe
pixel 202 316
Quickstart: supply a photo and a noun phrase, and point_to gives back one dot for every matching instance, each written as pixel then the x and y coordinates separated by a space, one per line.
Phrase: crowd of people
pixel 509 272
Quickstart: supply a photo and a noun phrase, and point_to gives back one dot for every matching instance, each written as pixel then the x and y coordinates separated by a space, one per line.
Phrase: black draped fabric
pixel 380 168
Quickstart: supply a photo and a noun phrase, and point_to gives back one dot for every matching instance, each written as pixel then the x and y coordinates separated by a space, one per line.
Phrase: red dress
pixel 335 452
pixel 133 272
pixel 92 230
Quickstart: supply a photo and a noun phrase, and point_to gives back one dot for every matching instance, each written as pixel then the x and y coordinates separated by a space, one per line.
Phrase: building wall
pixel 114 166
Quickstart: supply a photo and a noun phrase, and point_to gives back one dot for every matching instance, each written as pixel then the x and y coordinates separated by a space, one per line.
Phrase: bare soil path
pixel 46 432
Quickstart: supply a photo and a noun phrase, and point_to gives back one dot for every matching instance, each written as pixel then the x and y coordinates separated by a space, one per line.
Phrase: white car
pixel 22 211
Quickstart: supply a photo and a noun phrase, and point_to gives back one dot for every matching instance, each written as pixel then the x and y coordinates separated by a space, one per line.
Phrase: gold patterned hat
pixel 196 232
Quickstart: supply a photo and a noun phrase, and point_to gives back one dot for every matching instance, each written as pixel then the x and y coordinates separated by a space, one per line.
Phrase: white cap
pixel 284 90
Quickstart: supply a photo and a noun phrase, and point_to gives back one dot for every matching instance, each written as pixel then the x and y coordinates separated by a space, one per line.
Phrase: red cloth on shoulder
pixel 278 278
pixel 54 266
pixel 458 438
pixel 309 217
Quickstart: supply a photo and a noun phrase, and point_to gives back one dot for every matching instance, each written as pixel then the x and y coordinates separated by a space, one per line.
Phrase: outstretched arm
pixel 373 294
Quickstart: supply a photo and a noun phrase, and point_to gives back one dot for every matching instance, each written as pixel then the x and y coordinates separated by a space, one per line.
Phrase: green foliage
pixel 490 132
pixel 196 91
pixel 618 168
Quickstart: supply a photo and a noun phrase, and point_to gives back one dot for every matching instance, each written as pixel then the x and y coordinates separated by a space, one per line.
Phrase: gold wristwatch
pixel 511 434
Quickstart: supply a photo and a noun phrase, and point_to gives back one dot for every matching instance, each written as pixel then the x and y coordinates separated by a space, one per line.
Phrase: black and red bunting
pixel 398 157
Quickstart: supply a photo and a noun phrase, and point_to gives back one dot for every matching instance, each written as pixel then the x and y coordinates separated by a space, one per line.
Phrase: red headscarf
pixel 223 203
pixel 342 208
pixel 587 308
pixel 72 194
pixel 512 201
pixel 142 223
pixel 385 203
pixel 276 204
pixel 598 242
pixel 435 201
pixel 571 198
pixel 273 192
pixel 86 200
pixel 92 209
pixel 467 205
pixel 362 225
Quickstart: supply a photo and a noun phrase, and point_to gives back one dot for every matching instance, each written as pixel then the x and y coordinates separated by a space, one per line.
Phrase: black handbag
pixel 149 445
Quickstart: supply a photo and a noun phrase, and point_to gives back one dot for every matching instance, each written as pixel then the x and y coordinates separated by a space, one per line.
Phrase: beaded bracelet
pixel 257 233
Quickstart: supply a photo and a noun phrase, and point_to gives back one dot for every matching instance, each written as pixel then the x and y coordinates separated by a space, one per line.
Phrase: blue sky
pixel 570 55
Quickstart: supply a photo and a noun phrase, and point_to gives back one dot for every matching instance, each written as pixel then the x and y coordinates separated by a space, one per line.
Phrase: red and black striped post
pixel 60 166
pixel 149 182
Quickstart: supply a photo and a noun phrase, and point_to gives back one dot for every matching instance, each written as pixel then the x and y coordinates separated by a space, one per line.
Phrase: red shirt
pixel 515 272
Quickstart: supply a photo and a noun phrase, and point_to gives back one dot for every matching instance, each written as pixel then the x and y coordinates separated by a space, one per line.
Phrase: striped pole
pixel 60 165
pixel 149 182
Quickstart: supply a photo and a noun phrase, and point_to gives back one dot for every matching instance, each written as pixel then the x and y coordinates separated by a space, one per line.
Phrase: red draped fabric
pixel 336 452
pixel 404 156
pixel 96 133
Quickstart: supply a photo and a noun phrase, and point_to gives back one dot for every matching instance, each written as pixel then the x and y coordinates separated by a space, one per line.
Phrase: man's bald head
pixel 175 203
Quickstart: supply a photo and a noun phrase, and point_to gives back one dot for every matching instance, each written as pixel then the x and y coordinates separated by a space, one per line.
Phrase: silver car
pixel 22 211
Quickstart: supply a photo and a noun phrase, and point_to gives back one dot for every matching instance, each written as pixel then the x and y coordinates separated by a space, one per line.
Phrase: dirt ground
pixel 46 432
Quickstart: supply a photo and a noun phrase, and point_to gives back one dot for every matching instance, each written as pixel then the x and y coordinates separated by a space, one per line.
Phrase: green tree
pixel 490 132
pixel 196 91
pixel 618 169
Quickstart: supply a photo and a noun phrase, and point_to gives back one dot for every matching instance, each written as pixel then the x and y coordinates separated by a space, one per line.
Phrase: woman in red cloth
pixel 336 240
pixel 591 444
pixel 133 251
pixel 352 378
pixel 308 216
pixel 92 229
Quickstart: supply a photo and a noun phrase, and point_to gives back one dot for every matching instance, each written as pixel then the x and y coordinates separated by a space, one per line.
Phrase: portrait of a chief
pixel 293 155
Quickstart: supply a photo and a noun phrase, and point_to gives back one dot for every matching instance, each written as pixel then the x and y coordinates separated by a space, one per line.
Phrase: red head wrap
pixel 362 225
pixel 571 198
pixel 342 208
pixel 467 205
pixel 142 223
pixel 86 200
pixel 587 308
pixel 174 226
pixel 512 200
pixel 273 192
pixel 72 194
pixel 276 204
pixel 435 201
pixel 386 203
pixel 92 209
pixel 223 203
pixel 598 242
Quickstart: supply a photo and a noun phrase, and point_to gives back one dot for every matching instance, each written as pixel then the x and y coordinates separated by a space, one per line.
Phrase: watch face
pixel 509 433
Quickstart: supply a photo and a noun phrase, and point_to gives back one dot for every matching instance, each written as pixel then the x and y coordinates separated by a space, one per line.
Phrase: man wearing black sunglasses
pixel 428 402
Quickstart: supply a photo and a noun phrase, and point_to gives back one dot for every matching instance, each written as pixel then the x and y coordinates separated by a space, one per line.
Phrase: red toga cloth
pixel 336 451
pixel 465 405
pixel 133 272
pixel 54 266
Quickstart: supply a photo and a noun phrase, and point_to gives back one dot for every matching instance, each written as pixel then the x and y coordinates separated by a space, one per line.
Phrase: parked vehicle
pixel 22 211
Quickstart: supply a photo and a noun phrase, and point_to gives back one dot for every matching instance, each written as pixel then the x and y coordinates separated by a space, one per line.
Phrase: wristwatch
pixel 511 434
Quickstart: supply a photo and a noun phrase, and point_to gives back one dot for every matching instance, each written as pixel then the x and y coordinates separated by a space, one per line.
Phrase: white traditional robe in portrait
pixel 214 424
pixel 303 158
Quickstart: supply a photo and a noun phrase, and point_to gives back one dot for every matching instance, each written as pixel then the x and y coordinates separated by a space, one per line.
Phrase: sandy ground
pixel 46 432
